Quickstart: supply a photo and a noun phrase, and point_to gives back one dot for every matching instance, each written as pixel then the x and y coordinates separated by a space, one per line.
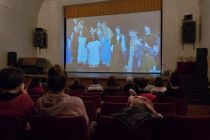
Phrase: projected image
pixel 114 43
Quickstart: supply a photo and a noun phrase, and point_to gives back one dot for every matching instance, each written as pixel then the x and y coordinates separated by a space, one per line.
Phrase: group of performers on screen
pixel 102 46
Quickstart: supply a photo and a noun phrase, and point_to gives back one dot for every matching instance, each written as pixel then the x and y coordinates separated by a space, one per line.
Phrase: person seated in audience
pixel 136 101
pixel 95 85
pixel 158 87
pixel 150 84
pixel 143 89
pixel 76 85
pixel 56 102
pixel 142 84
pixel 130 85
pixel 139 110
pixel 14 100
pixel 111 86
pixel 174 88
pixel 35 86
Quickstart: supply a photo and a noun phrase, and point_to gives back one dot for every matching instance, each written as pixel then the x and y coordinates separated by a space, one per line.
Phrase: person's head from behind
pixel 11 80
pixel 174 81
pixel 76 81
pixel 35 82
pixel 95 81
pixel 129 79
pixel 111 81
pixel 158 82
pixel 142 82
pixel 57 79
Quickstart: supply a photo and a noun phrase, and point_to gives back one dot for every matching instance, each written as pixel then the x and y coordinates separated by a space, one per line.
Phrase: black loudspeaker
pixel 40 38
pixel 188 17
pixel 201 54
pixel 189 32
pixel 11 58
pixel 201 62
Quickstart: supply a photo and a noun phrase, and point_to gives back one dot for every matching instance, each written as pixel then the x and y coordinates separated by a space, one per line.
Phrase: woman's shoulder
pixel 75 100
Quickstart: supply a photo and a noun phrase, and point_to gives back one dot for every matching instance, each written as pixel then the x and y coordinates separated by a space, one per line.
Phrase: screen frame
pixel 97 72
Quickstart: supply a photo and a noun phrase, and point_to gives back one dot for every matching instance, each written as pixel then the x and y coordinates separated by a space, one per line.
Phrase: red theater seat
pixel 165 108
pixel 176 127
pixel 110 129
pixel 116 99
pixel 59 128
pixel 91 110
pixel 11 128
pixel 181 103
pixel 109 108
pixel 94 98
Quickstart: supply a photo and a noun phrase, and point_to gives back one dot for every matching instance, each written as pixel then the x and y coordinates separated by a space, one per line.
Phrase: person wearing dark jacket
pixel 174 87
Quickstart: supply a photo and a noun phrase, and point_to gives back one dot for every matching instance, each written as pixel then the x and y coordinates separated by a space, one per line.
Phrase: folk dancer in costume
pixel 119 50
pixel 82 51
pixel 93 50
pixel 135 53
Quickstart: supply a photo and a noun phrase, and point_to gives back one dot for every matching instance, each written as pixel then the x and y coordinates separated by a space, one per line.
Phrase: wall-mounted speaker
pixel 201 62
pixel 40 38
pixel 189 32
pixel 188 17
pixel 11 58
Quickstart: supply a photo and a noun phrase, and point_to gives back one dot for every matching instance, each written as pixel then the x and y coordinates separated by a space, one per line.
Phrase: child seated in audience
pixel 56 102
pixel 35 86
pixel 14 100
pixel 95 85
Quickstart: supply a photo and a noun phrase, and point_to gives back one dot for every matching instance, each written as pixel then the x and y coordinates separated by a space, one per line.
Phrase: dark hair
pixel 10 78
pixel 142 82
pixel 158 82
pixel 175 81
pixel 56 78
pixel 111 81
pixel 34 82
pixel 95 81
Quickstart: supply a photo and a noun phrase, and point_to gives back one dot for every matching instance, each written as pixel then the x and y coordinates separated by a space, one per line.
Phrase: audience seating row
pixel 110 129
pixel 166 105
pixel 181 103
pixel 172 127
pixel 11 128
pixel 59 128
pixel 109 108
pixel 176 127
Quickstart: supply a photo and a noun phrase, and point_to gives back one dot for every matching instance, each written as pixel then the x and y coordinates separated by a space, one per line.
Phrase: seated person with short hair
pixel 95 85
pixel 14 100
pixel 158 87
